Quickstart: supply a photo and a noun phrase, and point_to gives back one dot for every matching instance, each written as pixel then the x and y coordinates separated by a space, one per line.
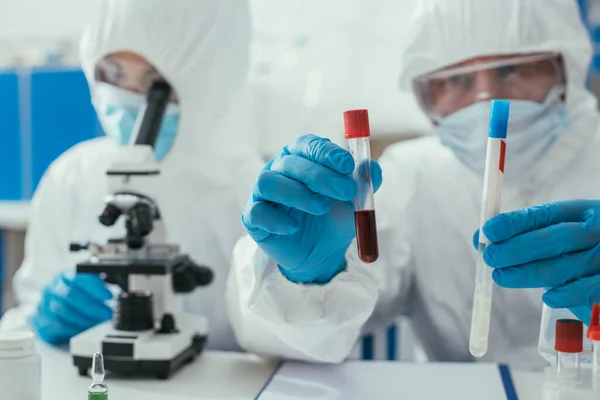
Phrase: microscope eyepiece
pixel 150 118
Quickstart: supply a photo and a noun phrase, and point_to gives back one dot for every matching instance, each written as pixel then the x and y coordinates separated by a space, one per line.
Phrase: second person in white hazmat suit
pixel 201 47
pixel 297 290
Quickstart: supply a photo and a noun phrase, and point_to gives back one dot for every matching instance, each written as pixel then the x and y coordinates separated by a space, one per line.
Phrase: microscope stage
pixel 125 266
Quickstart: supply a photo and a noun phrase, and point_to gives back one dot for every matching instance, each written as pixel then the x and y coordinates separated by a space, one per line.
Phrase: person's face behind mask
pixel 457 99
pixel 123 80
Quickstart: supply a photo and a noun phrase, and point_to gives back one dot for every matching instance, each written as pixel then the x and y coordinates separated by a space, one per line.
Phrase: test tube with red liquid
pixel 569 346
pixel 358 133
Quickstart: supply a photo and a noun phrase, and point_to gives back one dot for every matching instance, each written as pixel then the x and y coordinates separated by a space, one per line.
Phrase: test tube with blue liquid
pixel 492 189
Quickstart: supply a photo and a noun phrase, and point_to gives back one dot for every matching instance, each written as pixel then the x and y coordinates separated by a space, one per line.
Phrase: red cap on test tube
pixel 593 332
pixel 356 124
pixel 569 336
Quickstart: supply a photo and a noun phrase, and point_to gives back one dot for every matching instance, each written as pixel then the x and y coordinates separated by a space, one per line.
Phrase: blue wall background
pixel 44 113
pixel 10 146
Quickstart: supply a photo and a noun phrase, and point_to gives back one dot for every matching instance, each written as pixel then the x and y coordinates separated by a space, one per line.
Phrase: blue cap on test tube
pixel 499 119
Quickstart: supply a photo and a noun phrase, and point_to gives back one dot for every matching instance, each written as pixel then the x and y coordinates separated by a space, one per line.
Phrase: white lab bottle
pixel 20 367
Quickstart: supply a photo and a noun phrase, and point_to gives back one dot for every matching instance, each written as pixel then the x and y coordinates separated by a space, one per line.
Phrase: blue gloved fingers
pixel 582 313
pixel 322 151
pixel 51 330
pixel 376 175
pixel 273 186
pixel 51 323
pixel 508 225
pixel 316 177
pixel 90 310
pixel 325 275
pixel 545 243
pixel 263 220
pixel 93 286
pixel 63 283
pixel 73 310
pixel 583 292
pixel 70 304
pixel 548 273
pixel 81 294
pixel 370 168
pixel 476 239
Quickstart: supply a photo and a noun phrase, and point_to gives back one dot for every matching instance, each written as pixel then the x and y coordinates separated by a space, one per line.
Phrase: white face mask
pixel 532 130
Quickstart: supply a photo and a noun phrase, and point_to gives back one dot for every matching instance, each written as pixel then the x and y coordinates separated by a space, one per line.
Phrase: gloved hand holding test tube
pixel 492 188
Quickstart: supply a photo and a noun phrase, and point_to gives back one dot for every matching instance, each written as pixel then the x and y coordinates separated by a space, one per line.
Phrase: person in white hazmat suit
pixel 201 47
pixel 297 288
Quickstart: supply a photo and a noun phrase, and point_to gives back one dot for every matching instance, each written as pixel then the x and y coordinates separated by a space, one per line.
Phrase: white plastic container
pixel 547 339
pixel 553 388
pixel 594 335
pixel 20 367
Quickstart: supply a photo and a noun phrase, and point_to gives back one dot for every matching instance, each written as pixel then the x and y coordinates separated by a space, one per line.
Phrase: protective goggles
pixel 128 74
pixel 529 78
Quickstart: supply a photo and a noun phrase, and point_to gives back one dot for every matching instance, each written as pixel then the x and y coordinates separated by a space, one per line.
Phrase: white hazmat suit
pixel 201 47
pixel 428 209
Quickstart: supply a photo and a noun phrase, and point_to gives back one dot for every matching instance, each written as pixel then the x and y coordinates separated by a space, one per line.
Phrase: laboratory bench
pixel 215 376
pixel 14 215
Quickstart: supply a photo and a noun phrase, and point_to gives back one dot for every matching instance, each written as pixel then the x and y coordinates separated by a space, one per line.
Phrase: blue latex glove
pixel 554 246
pixel 300 211
pixel 69 305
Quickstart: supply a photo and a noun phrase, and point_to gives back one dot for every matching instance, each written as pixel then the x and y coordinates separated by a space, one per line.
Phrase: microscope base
pixel 161 369
pixel 147 353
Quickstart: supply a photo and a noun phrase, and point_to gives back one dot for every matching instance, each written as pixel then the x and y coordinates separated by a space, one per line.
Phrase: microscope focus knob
pixel 134 312
pixel 167 325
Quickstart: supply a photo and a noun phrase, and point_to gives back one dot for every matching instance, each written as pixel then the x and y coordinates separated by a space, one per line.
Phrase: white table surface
pixel 14 215
pixel 528 384
pixel 215 375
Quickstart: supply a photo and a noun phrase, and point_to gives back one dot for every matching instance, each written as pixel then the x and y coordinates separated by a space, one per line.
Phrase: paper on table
pixel 386 380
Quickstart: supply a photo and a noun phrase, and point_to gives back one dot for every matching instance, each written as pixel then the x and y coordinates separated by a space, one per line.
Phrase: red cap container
pixel 593 332
pixel 569 336
pixel 356 124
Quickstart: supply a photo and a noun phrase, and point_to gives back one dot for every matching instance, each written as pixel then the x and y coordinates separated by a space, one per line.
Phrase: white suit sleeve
pixel 272 316
pixel 46 248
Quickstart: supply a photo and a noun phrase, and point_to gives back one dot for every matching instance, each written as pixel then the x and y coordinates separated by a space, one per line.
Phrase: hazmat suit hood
pixel 200 46
pixel 446 32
